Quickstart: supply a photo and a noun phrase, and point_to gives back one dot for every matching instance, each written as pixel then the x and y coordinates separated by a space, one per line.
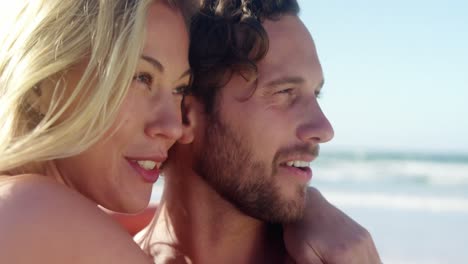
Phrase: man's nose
pixel 315 127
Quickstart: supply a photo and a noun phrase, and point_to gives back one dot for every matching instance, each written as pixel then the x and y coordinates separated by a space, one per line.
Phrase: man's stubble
pixel 227 163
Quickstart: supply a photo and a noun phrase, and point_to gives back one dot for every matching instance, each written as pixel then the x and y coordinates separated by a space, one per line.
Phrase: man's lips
pixel 304 174
pixel 298 157
pixel 298 166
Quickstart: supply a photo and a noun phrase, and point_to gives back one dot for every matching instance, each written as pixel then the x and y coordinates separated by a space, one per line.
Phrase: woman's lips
pixel 150 176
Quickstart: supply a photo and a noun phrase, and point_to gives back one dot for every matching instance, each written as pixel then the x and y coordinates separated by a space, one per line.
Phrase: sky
pixel 396 72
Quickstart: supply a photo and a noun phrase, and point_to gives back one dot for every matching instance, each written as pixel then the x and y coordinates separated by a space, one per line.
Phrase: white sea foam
pixel 381 201
pixel 398 202
pixel 390 171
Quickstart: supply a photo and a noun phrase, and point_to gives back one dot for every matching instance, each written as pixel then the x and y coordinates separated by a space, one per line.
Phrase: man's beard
pixel 226 162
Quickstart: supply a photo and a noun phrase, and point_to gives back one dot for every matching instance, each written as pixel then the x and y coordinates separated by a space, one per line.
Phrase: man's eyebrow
pixel 153 62
pixel 286 80
pixel 294 80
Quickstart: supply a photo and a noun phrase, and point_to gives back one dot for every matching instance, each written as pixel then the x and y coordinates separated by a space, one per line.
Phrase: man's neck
pixel 197 223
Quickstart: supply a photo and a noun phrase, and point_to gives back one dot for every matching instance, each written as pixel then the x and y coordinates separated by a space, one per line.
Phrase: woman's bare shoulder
pixel 26 194
pixel 42 219
pixel 33 194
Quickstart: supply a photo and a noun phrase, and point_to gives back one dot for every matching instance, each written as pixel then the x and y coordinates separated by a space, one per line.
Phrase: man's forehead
pixel 291 50
pixel 288 36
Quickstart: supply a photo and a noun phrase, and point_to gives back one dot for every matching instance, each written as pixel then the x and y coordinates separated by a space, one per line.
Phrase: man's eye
pixel 318 94
pixel 285 91
pixel 144 78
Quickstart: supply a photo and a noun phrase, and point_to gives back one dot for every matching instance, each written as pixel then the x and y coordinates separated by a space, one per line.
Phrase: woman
pixel 90 105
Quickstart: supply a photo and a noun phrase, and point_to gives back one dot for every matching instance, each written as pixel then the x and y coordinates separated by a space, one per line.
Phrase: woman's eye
pixel 181 90
pixel 144 78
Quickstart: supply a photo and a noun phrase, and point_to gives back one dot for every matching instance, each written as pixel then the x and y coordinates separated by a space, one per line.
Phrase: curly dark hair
pixel 227 37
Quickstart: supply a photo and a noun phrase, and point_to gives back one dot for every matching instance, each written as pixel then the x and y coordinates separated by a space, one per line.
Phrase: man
pixel 256 126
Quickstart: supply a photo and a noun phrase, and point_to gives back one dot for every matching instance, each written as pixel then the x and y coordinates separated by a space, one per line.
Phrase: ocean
pixel 415 205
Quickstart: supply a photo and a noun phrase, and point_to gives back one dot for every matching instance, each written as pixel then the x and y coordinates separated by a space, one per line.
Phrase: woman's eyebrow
pixel 188 72
pixel 156 64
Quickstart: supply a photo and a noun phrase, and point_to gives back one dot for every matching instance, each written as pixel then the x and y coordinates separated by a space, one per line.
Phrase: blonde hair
pixel 40 41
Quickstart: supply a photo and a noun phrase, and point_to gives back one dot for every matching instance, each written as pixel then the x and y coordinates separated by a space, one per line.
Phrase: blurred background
pixel 396 83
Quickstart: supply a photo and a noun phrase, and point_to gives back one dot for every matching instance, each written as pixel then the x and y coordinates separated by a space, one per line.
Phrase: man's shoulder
pixel 45 220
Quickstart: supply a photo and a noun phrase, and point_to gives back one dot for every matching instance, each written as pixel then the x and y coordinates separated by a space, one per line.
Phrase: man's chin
pixel 293 206
pixel 283 211
pixel 285 217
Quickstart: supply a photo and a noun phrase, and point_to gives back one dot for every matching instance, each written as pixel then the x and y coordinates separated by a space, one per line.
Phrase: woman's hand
pixel 327 235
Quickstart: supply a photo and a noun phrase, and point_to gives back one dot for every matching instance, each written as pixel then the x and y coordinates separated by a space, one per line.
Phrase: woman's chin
pixel 130 206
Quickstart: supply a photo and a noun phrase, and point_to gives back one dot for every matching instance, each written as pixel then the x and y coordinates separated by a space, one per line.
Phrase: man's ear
pixel 192 110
